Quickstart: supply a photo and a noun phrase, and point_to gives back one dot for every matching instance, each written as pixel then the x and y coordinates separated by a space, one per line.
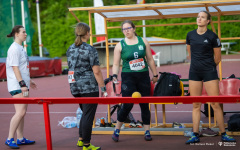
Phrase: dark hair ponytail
pixel 131 23
pixel 81 30
pixel 15 29
pixel 10 35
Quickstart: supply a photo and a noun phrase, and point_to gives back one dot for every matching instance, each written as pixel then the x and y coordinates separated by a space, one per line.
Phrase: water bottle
pixel 123 126
pixel 70 125
pixel 68 122
pixel 79 116
pixel 200 126
pixel 188 133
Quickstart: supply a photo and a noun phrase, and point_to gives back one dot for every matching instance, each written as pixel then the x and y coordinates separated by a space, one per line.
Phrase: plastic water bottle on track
pixel 188 133
pixel 68 122
pixel 78 115
pixel 70 125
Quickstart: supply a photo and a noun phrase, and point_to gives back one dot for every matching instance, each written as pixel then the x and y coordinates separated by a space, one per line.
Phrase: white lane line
pixel 230 59
pixel 96 112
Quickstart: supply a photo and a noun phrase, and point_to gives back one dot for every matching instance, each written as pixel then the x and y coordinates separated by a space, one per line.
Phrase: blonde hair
pixel 80 31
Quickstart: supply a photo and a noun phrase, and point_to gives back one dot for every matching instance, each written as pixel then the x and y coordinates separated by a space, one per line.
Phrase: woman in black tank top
pixel 204 49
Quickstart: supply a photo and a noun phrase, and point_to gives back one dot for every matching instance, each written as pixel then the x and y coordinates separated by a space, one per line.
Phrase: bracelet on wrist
pixel 103 89
pixel 22 83
pixel 156 76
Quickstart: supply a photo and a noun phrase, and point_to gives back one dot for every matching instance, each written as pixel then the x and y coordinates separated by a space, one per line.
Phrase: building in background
pixel 171 52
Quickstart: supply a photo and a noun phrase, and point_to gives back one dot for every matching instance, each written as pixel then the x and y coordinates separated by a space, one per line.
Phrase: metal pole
pixel 90 25
pixel 23 23
pixel 13 24
pixel 47 126
pixel 144 29
pixel 39 29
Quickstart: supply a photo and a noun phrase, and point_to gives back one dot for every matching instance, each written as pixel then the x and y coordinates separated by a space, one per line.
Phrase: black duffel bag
pixel 234 123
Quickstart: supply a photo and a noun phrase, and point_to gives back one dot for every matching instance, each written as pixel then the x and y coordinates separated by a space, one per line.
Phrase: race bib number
pixel 71 77
pixel 137 64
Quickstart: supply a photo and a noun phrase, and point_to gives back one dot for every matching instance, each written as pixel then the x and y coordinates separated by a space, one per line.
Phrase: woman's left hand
pixel 154 79
pixel 33 84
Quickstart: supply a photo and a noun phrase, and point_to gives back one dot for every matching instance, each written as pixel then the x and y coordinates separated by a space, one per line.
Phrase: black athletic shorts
pixel 135 82
pixel 205 76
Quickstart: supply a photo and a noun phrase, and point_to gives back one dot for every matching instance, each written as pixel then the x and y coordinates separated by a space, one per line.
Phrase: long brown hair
pixel 131 23
pixel 15 29
pixel 81 30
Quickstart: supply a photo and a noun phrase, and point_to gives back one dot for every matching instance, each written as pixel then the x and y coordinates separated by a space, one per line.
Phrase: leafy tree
pixel 57 24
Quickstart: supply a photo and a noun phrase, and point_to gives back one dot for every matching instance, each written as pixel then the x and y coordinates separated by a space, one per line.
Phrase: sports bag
pixel 205 112
pixel 168 85
pixel 234 123
pixel 117 107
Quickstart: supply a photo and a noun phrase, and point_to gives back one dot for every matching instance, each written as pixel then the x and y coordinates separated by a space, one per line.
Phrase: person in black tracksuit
pixel 85 78
pixel 204 48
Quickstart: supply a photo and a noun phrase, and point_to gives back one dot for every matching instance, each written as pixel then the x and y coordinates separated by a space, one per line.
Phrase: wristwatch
pixel 156 76
pixel 103 89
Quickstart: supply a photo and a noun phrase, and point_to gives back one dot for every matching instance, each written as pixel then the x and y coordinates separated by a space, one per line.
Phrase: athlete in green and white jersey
pixel 133 56
pixel 136 55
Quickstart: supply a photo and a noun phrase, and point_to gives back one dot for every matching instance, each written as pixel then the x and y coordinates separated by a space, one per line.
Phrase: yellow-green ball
pixel 136 95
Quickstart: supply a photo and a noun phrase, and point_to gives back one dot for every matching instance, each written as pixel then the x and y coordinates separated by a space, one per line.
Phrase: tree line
pixel 57 24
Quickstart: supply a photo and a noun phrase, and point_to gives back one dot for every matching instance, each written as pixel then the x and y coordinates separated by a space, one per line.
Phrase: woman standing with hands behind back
pixel 18 81
pixel 134 51
pixel 84 77
pixel 204 48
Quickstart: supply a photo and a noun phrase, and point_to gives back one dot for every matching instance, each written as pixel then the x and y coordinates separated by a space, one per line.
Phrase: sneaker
pixel 226 138
pixel 24 141
pixel 177 125
pixel 109 125
pixel 132 124
pixel 91 147
pixel 80 143
pixel 11 143
pixel 139 124
pixel 208 132
pixel 193 139
pixel 115 135
pixel 147 136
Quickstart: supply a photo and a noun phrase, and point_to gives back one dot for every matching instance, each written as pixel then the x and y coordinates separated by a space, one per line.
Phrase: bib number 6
pixel 135 54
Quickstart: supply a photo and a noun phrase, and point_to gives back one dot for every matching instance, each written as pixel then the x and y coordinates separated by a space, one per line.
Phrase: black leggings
pixel 132 82
pixel 86 122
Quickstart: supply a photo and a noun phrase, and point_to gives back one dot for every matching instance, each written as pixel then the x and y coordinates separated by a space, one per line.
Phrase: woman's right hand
pixel 104 94
pixel 115 80
pixel 24 91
